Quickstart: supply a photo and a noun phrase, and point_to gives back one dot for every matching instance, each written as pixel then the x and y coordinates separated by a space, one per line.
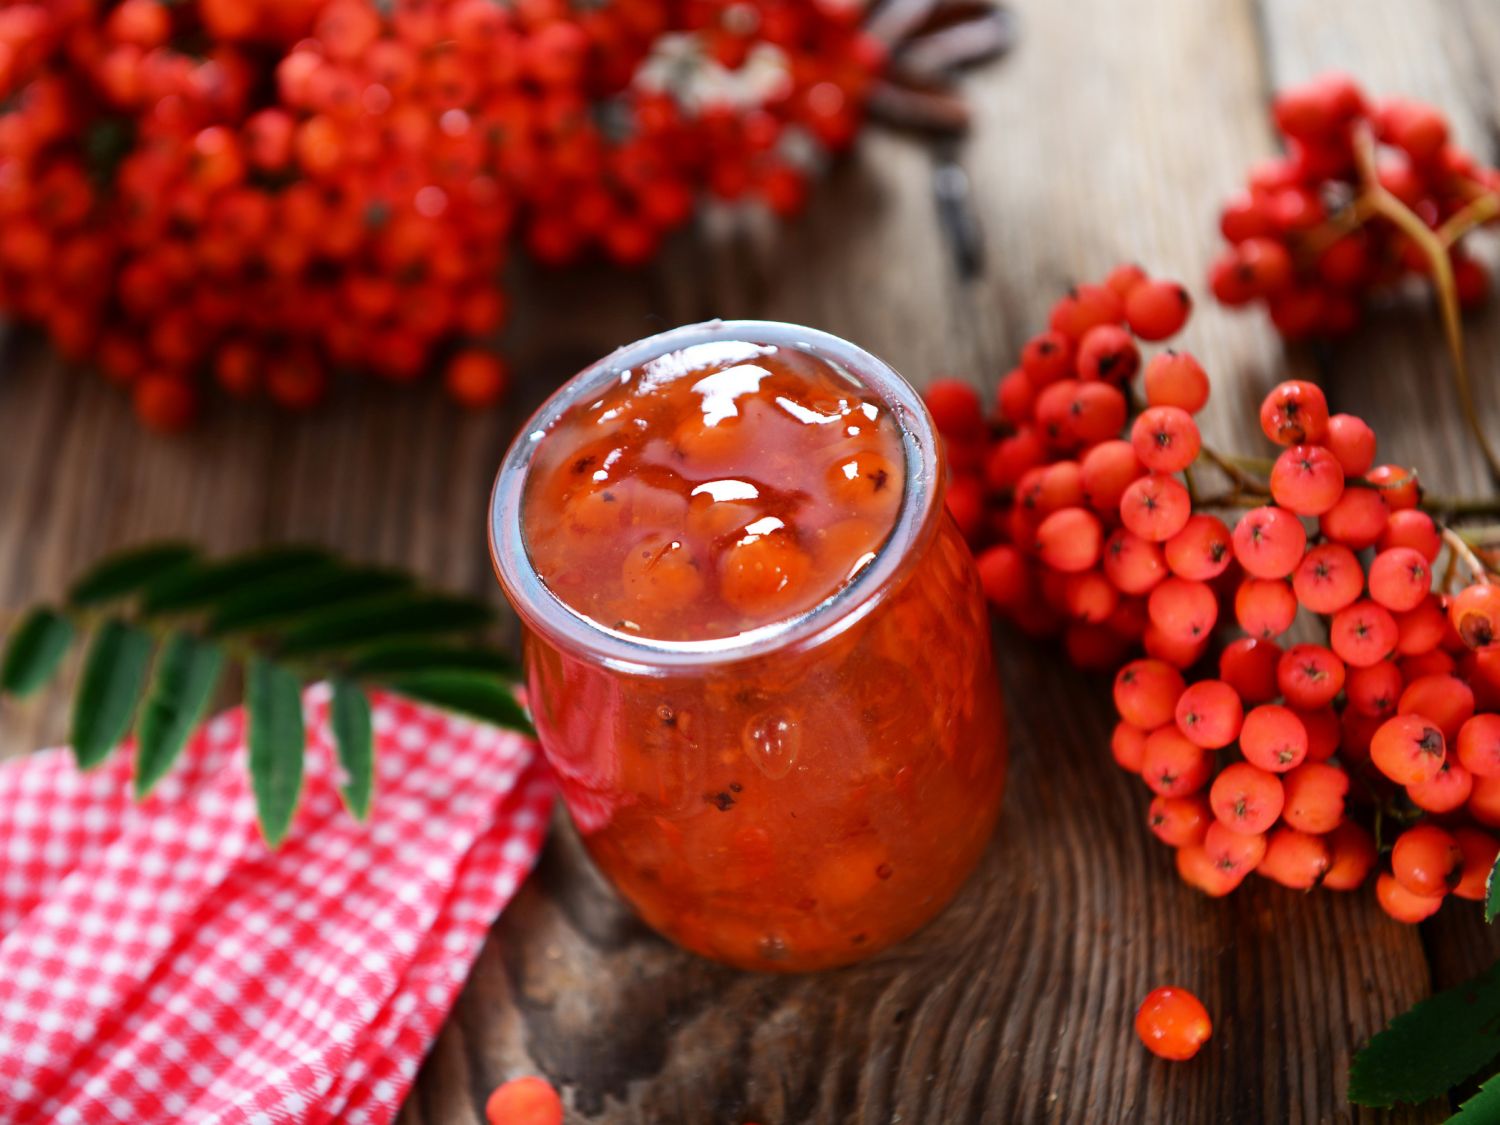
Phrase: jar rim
pixel 543 611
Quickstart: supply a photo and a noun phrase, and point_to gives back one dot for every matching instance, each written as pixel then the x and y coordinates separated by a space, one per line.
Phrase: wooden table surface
pixel 1111 133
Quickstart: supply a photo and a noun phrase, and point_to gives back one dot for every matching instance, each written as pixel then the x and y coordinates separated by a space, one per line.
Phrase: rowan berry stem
pixel 1456 543
pixel 1436 251
pixel 1231 467
pixel 1480 210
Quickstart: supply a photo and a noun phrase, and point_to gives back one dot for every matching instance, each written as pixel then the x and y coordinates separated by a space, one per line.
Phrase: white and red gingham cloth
pixel 158 963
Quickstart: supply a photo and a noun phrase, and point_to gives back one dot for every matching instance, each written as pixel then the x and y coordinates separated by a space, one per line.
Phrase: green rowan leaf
pixel 278 742
pixel 1431 1047
pixel 114 671
pixel 34 651
pixel 207 584
pixel 365 622
pixel 354 741
pixel 471 693
pixel 127 572
pixel 187 669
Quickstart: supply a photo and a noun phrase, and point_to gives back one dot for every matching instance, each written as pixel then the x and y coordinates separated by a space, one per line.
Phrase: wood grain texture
pixel 1112 132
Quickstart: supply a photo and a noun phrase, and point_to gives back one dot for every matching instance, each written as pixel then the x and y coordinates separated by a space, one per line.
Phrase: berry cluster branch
pixel 1435 245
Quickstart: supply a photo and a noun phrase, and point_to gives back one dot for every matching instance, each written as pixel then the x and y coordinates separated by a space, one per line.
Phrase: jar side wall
pixel 803 809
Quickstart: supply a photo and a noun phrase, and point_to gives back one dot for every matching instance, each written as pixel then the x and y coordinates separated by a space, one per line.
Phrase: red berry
pixel 1314 794
pixel 1084 307
pixel 1426 860
pixel 476 379
pixel 1246 799
pixel 1155 507
pixel 1172 766
pixel 1272 738
pixel 1005 576
pixel 165 402
pixel 1310 676
pixel 1328 578
pixel 955 408
pixel 1107 353
pixel 1400 578
pixel 1410 528
pixel 1172 1023
pixel 1166 439
pixel 1179 821
pixel 1265 607
pixel 1478 745
pixel 1106 471
pixel 1127 744
pixel 1248 665
pixel 1016 397
pixel 1123 278
pixel 1475 614
pixel 1408 749
pixel 1157 309
pixel 1237 853
pixel 1479 850
pixel 1133 564
pixel 1197 869
pixel 1295 859
pixel 1209 713
pixel 1351 440
pixel 1357 519
pixel 1448 791
pixel 1353 857
pixel 1363 634
pixel 1307 479
pixel 1295 412
pixel 525 1101
pixel 1070 540
pixel 1203 549
pixel 1401 904
pixel 1047 358
pixel 1373 690
pixel 1146 693
pixel 1269 542
pixel 1398 487
pixel 1176 379
pixel 1445 700
pixel 1183 609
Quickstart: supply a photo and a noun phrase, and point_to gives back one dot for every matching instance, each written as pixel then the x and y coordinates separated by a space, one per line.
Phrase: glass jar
pixel 801 794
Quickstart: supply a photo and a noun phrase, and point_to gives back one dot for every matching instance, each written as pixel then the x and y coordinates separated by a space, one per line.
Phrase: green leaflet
pixel 1492 893
pixel 354 740
pixel 207 584
pixel 309 590
pixel 377 619
pixel 187 669
pixel 1482 1109
pixel 273 699
pixel 394 658
pixel 472 693
pixel 113 674
pixel 128 571
pixel 34 651
pixel 1431 1047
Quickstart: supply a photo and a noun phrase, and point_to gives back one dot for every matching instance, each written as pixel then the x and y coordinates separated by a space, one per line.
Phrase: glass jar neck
pixel 916 520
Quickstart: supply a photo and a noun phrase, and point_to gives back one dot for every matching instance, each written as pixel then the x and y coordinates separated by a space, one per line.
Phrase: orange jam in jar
pixel 757 654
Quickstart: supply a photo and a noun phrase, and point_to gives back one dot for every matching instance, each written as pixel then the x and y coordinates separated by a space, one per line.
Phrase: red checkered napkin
pixel 159 963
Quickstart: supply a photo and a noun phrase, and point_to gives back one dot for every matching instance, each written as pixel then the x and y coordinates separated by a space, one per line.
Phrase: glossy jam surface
pixel 715 489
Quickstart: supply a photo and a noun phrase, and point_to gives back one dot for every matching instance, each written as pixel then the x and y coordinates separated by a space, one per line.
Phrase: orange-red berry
pixel 1173 1023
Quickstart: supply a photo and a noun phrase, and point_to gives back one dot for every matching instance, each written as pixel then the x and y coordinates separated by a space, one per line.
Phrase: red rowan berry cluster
pixel 1387 714
pixel 1067 513
pixel 1266 750
pixel 270 190
pixel 1365 195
